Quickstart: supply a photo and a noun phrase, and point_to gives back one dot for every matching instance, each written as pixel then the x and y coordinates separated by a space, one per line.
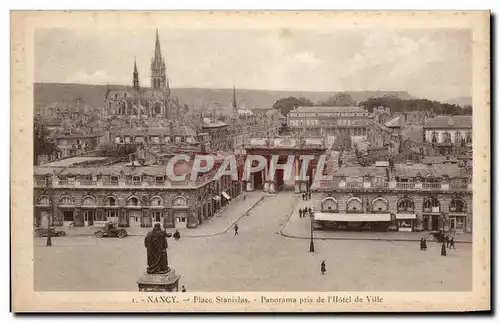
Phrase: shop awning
pixel 458 214
pixel 216 198
pixel 345 217
pixel 226 195
pixel 406 216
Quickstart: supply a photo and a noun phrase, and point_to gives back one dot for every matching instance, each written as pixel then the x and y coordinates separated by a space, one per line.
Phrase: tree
pixel 285 105
pixel 42 143
pixel 339 99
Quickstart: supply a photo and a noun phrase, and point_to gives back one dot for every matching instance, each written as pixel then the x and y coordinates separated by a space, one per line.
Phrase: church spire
pixel 135 81
pixel 235 106
pixel 157 57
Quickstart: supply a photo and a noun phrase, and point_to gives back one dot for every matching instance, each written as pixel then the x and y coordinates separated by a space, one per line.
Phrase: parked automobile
pixel 44 232
pixel 110 230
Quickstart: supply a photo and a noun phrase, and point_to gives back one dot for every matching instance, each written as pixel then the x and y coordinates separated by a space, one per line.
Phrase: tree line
pixel 396 104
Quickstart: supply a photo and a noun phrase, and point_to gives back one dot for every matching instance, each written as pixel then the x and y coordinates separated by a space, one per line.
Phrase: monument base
pixel 168 282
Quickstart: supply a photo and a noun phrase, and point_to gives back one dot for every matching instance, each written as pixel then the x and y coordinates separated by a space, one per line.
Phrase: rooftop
pixel 430 170
pixel 329 109
pixel 395 122
pixel 448 121
pixel 72 161
pixel 360 172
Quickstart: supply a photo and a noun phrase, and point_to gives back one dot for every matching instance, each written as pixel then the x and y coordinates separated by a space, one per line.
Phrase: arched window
pixel 354 205
pixel 156 201
pixel 380 204
pixel 66 200
pixel 179 202
pixel 329 205
pixel 432 205
pixel 133 201
pixel 406 205
pixel 110 201
pixel 43 200
pixel 88 200
pixel 457 205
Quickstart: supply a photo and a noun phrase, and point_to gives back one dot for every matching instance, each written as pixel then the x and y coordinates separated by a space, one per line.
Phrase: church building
pixel 155 101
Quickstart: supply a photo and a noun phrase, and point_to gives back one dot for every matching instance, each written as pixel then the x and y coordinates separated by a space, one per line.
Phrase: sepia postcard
pixel 171 161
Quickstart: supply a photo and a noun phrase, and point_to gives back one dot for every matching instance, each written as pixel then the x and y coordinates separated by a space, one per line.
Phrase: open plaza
pixel 259 258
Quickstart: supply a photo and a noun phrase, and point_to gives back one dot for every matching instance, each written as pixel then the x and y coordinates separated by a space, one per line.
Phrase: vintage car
pixel 44 232
pixel 110 230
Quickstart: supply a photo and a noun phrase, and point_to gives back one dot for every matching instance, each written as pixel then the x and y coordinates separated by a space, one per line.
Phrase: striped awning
pixel 345 217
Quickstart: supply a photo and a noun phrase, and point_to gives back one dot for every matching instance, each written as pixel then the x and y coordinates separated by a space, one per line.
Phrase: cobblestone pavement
pixel 258 259
pixel 297 227
pixel 218 224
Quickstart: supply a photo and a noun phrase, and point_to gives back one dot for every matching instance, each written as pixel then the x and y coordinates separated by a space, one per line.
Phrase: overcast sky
pixel 430 63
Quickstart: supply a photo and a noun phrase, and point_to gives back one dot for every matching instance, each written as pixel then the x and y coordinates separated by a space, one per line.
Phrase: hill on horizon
pixel 46 94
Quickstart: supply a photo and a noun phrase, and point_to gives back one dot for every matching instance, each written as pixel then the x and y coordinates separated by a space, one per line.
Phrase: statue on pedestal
pixel 156 245
pixel 158 277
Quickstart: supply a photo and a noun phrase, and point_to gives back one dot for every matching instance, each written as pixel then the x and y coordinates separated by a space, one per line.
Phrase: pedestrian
pixel 452 243
pixel 309 195
pixel 323 267
pixel 310 210
pixel 300 213
pixel 443 250
pixel 183 290
pixel 447 240
pixel 177 235
pixel 422 244
pixel 303 197
pixel 236 229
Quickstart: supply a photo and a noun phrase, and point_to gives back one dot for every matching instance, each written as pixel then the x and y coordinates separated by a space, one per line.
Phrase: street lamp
pixel 311 244
pixel 48 182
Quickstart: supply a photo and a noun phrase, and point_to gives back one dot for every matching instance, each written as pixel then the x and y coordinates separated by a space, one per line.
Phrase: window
pixel 329 205
pixel 460 223
pixel 406 205
pixel 88 201
pixel 44 200
pixel 156 201
pixel 446 137
pixel 136 179
pixel 133 201
pixel 458 137
pixel 354 204
pixel 157 215
pixel 379 204
pixel 159 179
pixel 114 178
pixel 432 205
pixel 110 201
pixel 112 214
pixel 469 137
pixel 434 137
pixel 66 200
pixel 457 205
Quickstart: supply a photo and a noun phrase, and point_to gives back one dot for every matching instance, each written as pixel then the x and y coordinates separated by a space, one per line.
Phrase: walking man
pixel 303 197
pixel 300 212
pixel 447 239
pixel 452 243
pixel 323 268
pixel 236 229
pixel 443 250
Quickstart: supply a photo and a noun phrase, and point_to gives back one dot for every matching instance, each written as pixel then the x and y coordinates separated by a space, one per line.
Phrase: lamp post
pixel 311 244
pixel 48 182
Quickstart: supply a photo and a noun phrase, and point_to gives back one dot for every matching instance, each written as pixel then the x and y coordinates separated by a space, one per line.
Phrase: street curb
pixel 353 238
pixel 197 236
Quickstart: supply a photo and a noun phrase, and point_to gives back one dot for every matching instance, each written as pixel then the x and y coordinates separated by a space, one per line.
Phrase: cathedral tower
pixel 158 72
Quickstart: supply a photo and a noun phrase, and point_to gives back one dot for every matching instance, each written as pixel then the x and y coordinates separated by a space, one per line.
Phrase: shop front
pixel 406 221
pixel 353 221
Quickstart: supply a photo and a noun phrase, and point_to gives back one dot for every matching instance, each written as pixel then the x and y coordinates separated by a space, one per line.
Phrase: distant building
pixel 445 134
pixel 73 144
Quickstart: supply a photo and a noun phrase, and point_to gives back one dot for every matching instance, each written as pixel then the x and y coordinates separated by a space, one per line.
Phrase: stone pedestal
pixel 168 282
pixel 249 186
pixel 266 187
pixel 297 187
pixel 272 187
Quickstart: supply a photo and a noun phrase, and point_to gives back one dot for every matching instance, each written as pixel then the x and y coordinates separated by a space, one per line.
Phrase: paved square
pixel 258 259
